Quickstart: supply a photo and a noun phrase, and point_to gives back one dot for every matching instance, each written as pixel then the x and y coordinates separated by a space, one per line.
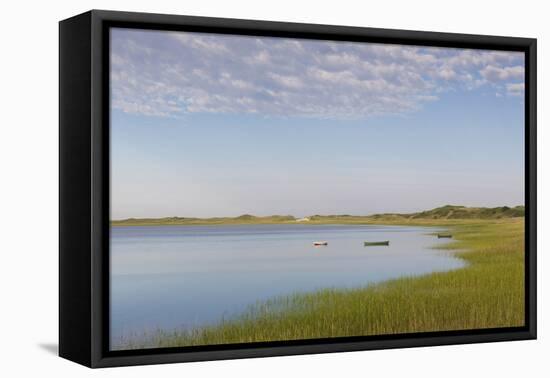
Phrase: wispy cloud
pixel 515 89
pixel 496 74
pixel 168 74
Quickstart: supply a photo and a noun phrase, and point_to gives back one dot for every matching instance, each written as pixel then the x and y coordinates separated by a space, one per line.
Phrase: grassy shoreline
pixel 487 293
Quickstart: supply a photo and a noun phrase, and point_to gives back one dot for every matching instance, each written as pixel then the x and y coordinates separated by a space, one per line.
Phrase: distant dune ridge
pixel 447 212
pixel 463 212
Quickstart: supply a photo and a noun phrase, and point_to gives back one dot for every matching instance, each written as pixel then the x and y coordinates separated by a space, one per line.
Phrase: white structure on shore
pixel 302 220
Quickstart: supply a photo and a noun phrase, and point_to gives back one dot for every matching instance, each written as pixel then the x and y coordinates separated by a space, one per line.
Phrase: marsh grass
pixel 487 293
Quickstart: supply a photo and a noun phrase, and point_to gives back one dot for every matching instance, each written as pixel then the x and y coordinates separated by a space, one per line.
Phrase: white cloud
pixel 495 74
pixel 293 82
pixel 447 73
pixel 261 57
pixel 172 73
pixel 515 89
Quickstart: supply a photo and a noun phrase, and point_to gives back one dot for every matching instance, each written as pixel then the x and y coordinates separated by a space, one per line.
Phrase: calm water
pixel 187 276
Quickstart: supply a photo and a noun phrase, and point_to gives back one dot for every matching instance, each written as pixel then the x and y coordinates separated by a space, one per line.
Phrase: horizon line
pixel 312 215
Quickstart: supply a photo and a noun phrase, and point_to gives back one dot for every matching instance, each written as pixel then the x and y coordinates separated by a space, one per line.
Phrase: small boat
pixel 318 243
pixel 439 236
pixel 371 244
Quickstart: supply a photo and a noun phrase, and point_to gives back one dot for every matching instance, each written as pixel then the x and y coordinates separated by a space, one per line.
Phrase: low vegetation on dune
pixel 448 212
pixel 183 221
pixel 463 212
pixel 487 293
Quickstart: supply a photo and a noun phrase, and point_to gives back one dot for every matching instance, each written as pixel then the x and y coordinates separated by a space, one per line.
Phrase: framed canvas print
pixel 234 188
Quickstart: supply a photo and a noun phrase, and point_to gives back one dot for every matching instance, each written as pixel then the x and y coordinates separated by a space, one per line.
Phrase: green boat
pixel 439 236
pixel 371 244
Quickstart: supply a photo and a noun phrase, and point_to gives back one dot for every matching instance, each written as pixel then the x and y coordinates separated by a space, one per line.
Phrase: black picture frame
pixel 84 187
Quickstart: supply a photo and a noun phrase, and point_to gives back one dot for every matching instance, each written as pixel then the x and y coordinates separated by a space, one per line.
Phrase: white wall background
pixel 29 186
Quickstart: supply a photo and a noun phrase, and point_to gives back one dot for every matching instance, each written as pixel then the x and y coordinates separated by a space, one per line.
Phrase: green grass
pixel 487 293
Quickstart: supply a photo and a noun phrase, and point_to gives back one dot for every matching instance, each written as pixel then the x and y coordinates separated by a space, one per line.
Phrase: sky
pixel 207 125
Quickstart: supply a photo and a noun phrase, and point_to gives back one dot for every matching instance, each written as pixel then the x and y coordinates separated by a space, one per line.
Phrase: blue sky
pixel 209 125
